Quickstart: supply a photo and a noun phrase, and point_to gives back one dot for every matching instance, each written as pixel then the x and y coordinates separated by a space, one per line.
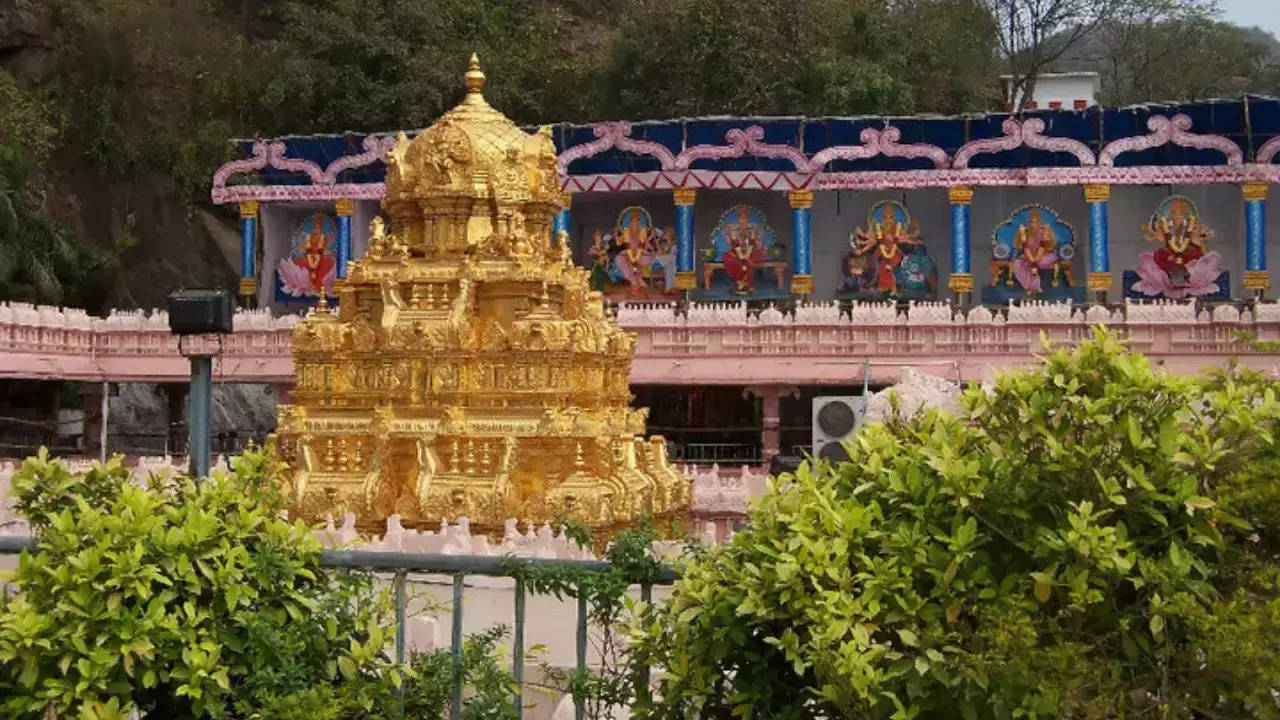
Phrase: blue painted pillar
pixel 345 208
pixel 1097 195
pixel 561 224
pixel 248 252
pixel 961 280
pixel 1256 276
pixel 199 405
pixel 801 251
pixel 685 277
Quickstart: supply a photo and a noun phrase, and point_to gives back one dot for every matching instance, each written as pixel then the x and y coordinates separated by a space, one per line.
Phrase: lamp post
pixel 194 313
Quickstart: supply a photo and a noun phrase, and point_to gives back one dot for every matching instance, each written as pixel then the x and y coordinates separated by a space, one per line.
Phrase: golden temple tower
pixel 469 371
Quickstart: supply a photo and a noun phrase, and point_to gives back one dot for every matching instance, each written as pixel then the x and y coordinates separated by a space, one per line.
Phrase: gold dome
pixel 470 371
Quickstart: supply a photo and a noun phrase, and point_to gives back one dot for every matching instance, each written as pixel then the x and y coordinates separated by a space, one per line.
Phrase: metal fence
pixel 400 565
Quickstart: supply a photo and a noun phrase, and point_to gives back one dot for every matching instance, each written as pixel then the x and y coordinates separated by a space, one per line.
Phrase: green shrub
pixel 1091 539
pixel 182 600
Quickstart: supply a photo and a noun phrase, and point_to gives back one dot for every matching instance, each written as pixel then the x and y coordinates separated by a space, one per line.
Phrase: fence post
pixel 578 709
pixel 400 616
pixel 455 707
pixel 642 691
pixel 517 650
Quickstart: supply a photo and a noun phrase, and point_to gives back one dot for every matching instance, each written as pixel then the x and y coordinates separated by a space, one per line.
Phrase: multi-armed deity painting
pixel 635 260
pixel 312 260
pixel 887 258
pixel 1182 265
pixel 1032 255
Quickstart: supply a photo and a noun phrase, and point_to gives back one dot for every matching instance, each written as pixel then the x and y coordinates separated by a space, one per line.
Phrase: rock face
pixel 139 417
pixel 915 390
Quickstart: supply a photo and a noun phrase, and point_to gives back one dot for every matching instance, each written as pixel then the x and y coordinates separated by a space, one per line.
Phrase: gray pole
pixel 106 412
pixel 199 404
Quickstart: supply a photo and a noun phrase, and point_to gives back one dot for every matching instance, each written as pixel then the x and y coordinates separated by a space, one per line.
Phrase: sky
pixel 1263 13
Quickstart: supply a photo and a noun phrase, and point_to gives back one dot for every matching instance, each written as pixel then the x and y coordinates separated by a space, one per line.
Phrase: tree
pixel 1091 539
pixel 39 260
pixel 1035 34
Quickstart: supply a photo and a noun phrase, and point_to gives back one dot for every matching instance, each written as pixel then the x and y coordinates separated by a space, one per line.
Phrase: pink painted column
pixel 770 420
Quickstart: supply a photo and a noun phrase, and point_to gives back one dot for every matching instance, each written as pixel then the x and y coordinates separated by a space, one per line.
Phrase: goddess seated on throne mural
pixel 311 265
pixel 745 261
pixel 1182 266
pixel 636 260
pixel 1032 253
pixel 887 258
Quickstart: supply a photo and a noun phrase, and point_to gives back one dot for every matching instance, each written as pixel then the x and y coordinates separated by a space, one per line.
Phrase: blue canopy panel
pixel 1069 124
pixel 780 131
pixel 1214 117
pixel 1249 122
pixel 1264 122
pixel 823 133
pixel 615 161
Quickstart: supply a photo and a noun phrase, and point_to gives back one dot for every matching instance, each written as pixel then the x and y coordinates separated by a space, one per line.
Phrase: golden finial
pixel 474 76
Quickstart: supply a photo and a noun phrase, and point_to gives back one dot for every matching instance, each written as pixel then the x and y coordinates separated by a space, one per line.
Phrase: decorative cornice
pixel 878 142
pixel 375 149
pixel 1032 137
pixel 742 141
pixel 1268 150
pixel 615 135
pixel 1174 130
pixel 1012 139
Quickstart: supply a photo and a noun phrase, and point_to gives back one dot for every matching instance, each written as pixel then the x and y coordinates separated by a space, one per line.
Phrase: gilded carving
pixel 470 372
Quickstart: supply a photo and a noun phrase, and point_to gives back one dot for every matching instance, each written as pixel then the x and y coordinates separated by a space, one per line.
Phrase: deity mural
pixel 636 260
pixel 312 260
pixel 1182 266
pixel 887 258
pixel 1032 253
pixel 744 261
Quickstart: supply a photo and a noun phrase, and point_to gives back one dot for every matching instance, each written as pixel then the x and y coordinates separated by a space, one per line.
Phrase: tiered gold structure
pixel 469 371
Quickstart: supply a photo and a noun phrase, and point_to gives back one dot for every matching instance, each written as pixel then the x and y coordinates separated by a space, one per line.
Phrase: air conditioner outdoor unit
pixel 835 419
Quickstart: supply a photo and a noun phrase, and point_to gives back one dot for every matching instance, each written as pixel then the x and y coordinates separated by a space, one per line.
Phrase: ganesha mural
pixel 1032 252
pixel 311 264
pixel 744 260
pixel 887 259
pixel 635 260
pixel 1182 266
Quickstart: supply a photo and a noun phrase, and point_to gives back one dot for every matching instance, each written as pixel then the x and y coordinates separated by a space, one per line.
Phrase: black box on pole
pixel 200 312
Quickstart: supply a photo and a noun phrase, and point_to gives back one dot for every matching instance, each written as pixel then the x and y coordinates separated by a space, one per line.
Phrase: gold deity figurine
pixel 470 371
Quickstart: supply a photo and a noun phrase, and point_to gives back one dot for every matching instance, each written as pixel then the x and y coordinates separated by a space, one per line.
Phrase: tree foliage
pixel 1091 539
pixel 188 600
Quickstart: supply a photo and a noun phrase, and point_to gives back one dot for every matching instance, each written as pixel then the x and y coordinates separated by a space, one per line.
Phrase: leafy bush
pixel 182 600
pixel 1091 539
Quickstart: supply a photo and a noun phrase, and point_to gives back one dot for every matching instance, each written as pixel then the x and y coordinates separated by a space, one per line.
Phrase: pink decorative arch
pixel 1012 139
pixel 1032 137
pixel 611 135
pixel 878 142
pixel 745 141
pixel 1016 134
pixel 1268 150
pixel 1174 130
pixel 375 149
pixel 268 155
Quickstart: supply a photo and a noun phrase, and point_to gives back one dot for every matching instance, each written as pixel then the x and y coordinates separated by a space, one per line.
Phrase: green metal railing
pixel 399 565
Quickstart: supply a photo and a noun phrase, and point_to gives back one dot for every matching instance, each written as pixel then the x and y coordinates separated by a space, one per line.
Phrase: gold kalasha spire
pixel 470 371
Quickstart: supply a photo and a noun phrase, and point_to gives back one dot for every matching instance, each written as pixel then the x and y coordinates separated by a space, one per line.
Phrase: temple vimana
pixel 470 371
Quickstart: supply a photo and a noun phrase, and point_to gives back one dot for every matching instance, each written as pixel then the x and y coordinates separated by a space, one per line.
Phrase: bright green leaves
pixel 1081 530
pixel 138 595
